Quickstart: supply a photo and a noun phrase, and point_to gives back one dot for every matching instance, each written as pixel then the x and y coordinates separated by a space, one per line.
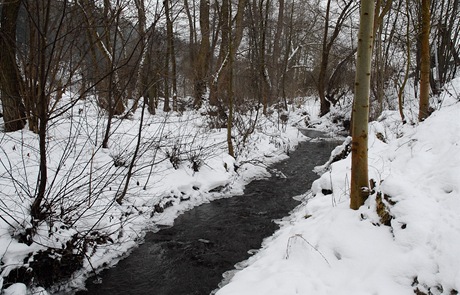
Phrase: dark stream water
pixel 190 257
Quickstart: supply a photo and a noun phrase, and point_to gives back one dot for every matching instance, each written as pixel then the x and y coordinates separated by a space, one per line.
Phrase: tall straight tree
pixel 424 61
pixel 359 189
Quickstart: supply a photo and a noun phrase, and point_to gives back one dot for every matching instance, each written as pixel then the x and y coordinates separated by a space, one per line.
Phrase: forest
pixel 100 99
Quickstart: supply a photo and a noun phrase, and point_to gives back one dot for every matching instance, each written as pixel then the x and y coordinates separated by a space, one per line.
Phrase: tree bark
pixel 277 71
pixel 171 54
pixel 167 73
pixel 231 151
pixel 202 61
pixel 359 189
pixel 220 79
pixel 10 81
pixel 43 100
pixel 325 105
pixel 425 62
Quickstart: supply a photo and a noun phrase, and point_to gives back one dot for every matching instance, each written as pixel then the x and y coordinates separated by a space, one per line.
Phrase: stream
pixel 191 256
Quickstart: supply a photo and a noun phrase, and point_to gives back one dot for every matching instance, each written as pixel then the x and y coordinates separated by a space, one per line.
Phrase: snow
pixel 326 248
pixel 87 178
pixel 323 247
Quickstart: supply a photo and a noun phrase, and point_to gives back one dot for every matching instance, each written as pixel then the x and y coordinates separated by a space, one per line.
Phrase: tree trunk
pixel 406 72
pixel 324 103
pixel 130 172
pixel 277 71
pixel 202 61
pixel 231 151
pixel 167 73
pixel 327 43
pixel 288 45
pixel 359 190
pixel 220 74
pixel 220 79
pixel 140 89
pixel 110 96
pixel 171 55
pixel 260 28
pixel 425 62
pixel 42 71
pixel 10 81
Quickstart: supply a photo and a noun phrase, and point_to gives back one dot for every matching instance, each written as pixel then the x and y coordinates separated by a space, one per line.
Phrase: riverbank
pixel 208 240
pixel 404 240
pixel 174 173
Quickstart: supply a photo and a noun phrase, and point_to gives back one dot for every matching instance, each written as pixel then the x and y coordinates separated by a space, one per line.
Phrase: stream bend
pixel 191 256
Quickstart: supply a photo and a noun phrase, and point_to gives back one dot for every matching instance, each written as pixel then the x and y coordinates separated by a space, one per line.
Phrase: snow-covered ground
pixel 84 180
pixel 326 248
pixel 322 248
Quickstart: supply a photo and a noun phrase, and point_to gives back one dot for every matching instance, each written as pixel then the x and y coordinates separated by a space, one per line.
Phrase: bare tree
pixel 359 190
pixel 425 61
pixel 260 11
pixel 382 61
pixel 327 44
pixel 171 74
pixel 203 57
pixel 275 61
pixel 401 85
pixel 445 18
pixel 47 72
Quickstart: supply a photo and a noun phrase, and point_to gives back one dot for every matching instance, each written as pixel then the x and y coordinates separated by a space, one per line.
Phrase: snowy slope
pixel 326 248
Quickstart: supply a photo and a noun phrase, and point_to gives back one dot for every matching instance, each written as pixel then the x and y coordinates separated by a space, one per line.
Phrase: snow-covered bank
pixel 327 248
pixel 182 163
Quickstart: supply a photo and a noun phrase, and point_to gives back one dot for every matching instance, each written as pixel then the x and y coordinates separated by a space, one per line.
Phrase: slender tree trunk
pixel 288 45
pixel 220 78
pixel 379 71
pixel 425 62
pixel 171 54
pixel 202 61
pixel 167 75
pixel 151 86
pixel 130 172
pixel 325 105
pixel 406 72
pixel 113 95
pixel 10 81
pixel 277 70
pixel 110 96
pixel 166 105
pixel 192 51
pixel 327 43
pixel 264 79
pixel 359 190
pixel 231 151
pixel 42 106
pixel 192 28
pixel 140 89
pixel 380 59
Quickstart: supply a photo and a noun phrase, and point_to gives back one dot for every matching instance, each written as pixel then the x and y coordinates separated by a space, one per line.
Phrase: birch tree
pixel 359 190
